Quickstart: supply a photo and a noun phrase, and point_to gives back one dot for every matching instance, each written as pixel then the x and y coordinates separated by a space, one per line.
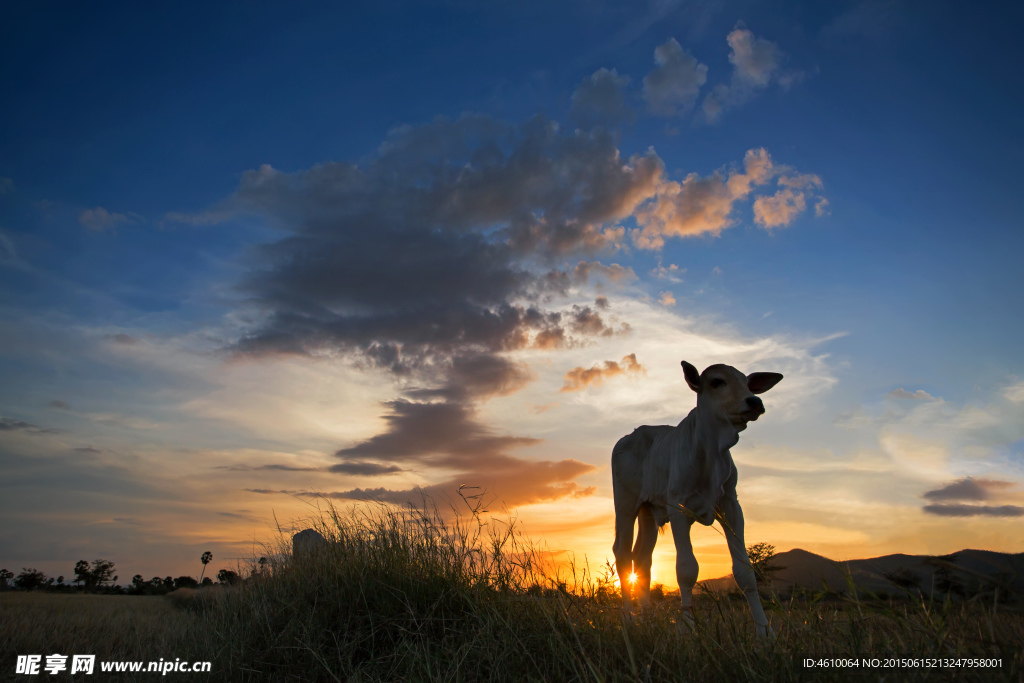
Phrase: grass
pixel 399 595
pixel 112 627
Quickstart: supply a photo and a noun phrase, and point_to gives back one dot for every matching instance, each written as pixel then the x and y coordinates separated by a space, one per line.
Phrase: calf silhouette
pixel 678 475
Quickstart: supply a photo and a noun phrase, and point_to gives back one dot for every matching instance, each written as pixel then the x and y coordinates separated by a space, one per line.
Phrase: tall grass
pixel 414 595
pixel 112 627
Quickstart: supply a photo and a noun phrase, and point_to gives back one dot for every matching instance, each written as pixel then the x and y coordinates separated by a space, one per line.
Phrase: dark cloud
pixel 235 515
pixel 969 488
pixel 757 63
pixel 272 467
pixel 125 339
pixel 445 434
pixel 449 435
pixel 59 405
pixel 435 258
pixel 366 469
pixel 963 510
pixel 672 87
pixel 129 520
pixel 600 100
pixel 8 424
pixel 602 303
pixel 519 483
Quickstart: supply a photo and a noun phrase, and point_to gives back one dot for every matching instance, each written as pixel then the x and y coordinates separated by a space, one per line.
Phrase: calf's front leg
pixel 731 518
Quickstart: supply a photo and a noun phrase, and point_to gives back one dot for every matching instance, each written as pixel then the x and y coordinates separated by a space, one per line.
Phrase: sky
pixel 252 253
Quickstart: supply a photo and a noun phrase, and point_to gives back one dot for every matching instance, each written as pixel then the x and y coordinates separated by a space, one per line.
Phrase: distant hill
pixel 969 568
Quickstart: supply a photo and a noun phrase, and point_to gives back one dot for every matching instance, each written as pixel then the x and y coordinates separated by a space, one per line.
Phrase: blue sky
pixel 180 260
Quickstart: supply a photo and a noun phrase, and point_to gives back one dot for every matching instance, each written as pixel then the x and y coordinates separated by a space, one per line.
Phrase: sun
pixel 632 578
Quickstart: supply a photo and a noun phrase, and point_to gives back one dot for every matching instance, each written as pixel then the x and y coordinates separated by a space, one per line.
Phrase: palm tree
pixel 205 559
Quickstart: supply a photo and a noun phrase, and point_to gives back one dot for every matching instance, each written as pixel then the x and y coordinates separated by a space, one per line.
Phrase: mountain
pixel 970 569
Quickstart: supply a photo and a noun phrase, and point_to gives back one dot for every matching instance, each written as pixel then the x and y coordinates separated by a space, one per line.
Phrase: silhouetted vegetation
pixel 409 595
pixel 904 578
pixel 760 556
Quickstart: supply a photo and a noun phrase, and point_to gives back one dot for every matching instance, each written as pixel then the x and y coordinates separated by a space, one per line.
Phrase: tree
pixel 205 559
pixel 29 579
pixel 60 580
pixel 101 572
pixel 185 582
pixel 82 573
pixel 138 581
pixel 207 581
pixel 227 576
pixel 5 576
pixel 946 581
pixel 903 578
pixel 760 556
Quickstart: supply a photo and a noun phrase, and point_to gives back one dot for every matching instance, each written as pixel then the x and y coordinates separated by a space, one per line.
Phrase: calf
pixel 682 474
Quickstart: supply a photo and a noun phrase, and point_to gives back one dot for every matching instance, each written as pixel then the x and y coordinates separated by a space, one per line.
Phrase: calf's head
pixel 727 395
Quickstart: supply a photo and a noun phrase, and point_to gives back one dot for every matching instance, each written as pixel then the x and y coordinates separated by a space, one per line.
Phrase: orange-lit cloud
pixel 580 378
pixel 704 205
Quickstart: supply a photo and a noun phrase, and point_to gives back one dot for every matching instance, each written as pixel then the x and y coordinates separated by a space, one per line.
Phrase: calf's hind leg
pixel 623 551
pixel 643 553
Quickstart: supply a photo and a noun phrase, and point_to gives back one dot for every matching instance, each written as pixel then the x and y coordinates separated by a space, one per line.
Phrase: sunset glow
pixel 287 260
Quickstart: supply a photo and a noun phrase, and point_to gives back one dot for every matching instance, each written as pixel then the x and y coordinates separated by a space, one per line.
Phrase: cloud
pixel 602 303
pixel 365 469
pixel 700 205
pixel 958 510
pixel 969 488
pixel 757 63
pixel 704 205
pixel 444 434
pixel 518 483
pixel 919 395
pixel 124 339
pixel 779 209
pixel 99 219
pixel 59 405
pixel 671 88
pixel 580 378
pixel 270 467
pixel 441 256
pixel 1014 393
pixel 9 255
pixel 872 19
pixel 671 273
pixel 8 424
pixel 667 299
pixel 601 100
pixel 454 213
pixel 821 208
pixel 449 435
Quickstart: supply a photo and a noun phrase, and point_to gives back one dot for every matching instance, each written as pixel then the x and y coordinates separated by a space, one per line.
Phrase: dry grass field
pixel 400 597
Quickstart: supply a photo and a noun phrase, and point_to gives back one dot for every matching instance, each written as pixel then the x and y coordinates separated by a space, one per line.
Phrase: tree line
pixel 99 576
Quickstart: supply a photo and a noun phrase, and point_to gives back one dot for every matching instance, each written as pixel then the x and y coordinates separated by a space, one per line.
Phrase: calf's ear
pixel 692 376
pixel 760 382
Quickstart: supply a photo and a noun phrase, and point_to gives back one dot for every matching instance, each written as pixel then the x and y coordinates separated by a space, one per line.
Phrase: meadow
pixel 421 596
